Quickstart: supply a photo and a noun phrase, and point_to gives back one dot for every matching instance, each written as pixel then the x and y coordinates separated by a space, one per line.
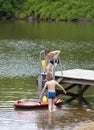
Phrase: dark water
pixel 20 46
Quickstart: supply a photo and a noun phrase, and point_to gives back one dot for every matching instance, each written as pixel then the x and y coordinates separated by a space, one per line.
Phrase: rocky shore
pixel 87 126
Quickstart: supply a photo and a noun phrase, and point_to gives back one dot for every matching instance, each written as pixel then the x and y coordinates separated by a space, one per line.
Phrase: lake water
pixel 20 46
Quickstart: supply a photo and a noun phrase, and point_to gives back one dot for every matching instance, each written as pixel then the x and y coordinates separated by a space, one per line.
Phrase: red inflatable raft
pixel 33 103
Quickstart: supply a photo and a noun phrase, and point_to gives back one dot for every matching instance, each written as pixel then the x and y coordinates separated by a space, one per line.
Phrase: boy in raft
pixel 51 94
pixel 53 57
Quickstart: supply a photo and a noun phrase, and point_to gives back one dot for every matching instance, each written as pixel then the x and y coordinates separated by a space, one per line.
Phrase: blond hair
pixel 49 76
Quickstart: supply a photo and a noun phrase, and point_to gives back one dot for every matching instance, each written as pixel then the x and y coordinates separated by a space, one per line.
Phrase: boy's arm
pixel 57 54
pixel 61 87
pixel 46 60
pixel 41 95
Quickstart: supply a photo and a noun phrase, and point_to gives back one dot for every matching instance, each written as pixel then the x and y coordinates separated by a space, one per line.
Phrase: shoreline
pixel 30 19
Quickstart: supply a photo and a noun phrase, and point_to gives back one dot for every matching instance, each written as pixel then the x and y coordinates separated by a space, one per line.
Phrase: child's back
pixel 51 85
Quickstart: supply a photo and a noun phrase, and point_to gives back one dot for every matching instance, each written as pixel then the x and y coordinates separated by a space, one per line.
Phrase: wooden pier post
pixel 79 94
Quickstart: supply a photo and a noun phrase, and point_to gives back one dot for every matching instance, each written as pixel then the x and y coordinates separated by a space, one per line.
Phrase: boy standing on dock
pixel 51 94
pixel 54 60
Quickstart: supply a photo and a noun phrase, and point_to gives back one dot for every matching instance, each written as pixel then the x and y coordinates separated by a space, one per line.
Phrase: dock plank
pixel 77 74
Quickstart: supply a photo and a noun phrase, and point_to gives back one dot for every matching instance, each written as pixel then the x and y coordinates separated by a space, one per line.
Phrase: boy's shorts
pixel 56 61
pixel 51 95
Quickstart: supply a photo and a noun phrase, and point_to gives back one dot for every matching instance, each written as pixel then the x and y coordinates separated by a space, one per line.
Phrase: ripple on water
pixel 17 58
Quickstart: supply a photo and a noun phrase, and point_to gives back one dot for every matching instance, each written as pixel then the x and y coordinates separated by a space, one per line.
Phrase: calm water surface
pixel 20 46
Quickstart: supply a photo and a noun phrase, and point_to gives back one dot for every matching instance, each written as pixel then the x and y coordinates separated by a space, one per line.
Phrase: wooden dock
pixel 79 78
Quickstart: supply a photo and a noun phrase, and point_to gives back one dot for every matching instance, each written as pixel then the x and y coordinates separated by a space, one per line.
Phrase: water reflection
pixel 65 118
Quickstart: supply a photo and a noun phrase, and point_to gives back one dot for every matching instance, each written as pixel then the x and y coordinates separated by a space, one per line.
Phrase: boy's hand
pixel 65 92
pixel 40 98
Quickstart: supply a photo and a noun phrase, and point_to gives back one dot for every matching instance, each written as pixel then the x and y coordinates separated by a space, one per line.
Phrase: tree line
pixel 67 10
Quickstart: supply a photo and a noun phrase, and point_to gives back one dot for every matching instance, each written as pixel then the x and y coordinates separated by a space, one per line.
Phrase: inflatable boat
pixel 33 103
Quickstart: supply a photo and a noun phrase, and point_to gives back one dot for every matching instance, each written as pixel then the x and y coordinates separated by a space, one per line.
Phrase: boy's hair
pixel 49 76
pixel 46 52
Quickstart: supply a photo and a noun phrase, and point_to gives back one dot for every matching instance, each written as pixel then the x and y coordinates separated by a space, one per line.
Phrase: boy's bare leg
pixel 53 106
pixel 50 105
